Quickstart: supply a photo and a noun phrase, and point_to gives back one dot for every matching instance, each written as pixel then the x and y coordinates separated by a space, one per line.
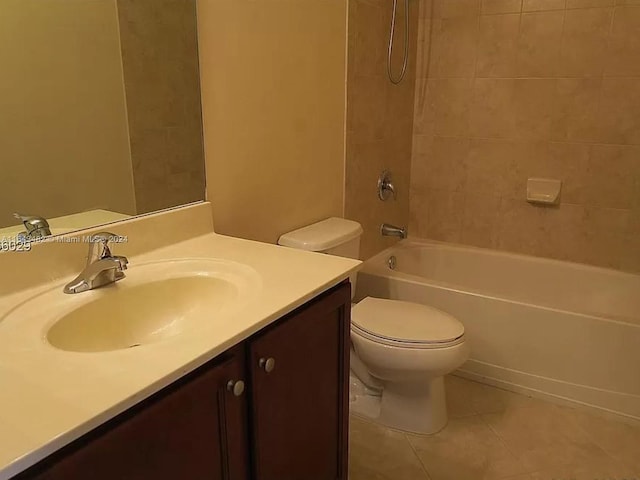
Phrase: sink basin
pixel 155 302
pixel 139 315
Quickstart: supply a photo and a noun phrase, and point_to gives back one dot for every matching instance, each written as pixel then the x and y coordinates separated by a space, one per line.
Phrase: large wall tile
pixel 576 104
pixel 366 107
pixel 501 6
pixel 613 174
pixel 607 239
pixel 425 53
pixel 368 45
pixel 540 36
pixel 418 211
pixel 533 99
pixel 531 226
pixel 491 166
pixel 456 8
pixel 498 46
pixel 452 101
pixel 619 121
pixel 420 159
pixel 555 94
pixel 565 233
pixel 444 215
pixel 426 9
pixel 425 106
pixel 457 45
pixel 589 3
pixel 493 108
pixel 480 219
pixel 445 163
pixel 569 163
pixel 541 5
pixel 624 45
pixel 584 41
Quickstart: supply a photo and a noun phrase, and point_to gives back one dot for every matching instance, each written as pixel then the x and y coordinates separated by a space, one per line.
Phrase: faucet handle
pixel 35 226
pixel 123 261
pixel 99 246
pixel 385 187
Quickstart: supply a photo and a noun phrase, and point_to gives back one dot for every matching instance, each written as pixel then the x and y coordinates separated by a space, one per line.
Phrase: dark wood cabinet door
pixel 299 414
pixel 194 429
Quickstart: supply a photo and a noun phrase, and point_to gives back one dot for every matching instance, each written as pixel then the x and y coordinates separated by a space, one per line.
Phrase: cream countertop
pixel 51 397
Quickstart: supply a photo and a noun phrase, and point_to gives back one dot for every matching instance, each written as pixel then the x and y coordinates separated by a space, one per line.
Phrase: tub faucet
pixel 392 231
pixel 102 268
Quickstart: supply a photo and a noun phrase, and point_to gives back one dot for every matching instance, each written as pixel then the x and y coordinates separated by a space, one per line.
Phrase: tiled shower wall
pixel 161 75
pixel 379 119
pixel 511 89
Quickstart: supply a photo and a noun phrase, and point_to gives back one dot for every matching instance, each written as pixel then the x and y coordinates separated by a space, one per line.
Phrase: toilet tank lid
pixel 323 235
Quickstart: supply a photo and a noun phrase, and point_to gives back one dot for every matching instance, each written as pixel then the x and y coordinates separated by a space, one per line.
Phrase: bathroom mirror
pixel 100 115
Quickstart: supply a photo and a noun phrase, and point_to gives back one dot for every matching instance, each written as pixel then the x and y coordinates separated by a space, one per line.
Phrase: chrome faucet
pixel 102 267
pixel 36 227
pixel 392 231
pixel 385 186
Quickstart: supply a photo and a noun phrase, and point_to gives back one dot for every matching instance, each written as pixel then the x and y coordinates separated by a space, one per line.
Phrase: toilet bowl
pixel 400 350
pixel 408 348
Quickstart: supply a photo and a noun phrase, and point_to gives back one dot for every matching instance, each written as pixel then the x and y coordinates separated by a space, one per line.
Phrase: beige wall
pixel 379 120
pixel 63 128
pixel 161 76
pixel 511 89
pixel 273 79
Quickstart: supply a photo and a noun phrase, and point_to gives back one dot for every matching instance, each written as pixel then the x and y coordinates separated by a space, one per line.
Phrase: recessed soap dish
pixel 544 191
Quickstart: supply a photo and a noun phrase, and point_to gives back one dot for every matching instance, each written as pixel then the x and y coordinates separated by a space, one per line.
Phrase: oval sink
pixel 155 302
pixel 139 315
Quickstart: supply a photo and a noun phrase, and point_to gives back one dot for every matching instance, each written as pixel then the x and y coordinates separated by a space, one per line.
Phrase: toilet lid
pixel 405 322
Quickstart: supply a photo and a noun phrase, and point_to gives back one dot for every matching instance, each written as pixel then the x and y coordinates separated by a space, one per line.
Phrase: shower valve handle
pixel 385 186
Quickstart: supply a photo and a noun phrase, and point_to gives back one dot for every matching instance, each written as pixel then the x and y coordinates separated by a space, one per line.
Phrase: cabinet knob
pixel 267 364
pixel 236 387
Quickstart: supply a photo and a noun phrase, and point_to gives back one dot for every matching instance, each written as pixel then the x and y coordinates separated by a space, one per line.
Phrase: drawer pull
pixel 236 387
pixel 267 364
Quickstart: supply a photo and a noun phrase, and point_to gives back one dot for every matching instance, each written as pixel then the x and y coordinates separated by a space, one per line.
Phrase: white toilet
pixel 402 349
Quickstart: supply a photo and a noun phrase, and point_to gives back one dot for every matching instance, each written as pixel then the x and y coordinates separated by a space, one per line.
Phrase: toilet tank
pixel 334 236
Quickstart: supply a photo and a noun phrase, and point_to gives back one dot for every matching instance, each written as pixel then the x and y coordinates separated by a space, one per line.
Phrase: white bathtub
pixel 550 328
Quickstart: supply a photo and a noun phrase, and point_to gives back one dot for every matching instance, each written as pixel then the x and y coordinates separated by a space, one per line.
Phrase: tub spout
pixel 392 231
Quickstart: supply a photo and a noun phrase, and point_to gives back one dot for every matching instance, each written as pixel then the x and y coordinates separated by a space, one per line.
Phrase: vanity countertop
pixel 51 397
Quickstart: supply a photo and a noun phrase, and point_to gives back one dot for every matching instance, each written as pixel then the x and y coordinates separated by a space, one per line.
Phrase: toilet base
pixel 414 407
pixel 363 401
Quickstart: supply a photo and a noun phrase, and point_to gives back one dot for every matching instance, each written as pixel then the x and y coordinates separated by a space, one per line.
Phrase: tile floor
pixel 494 434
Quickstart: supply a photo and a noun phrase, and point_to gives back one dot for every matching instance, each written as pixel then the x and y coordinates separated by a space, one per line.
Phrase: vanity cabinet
pixel 274 407
pixel 195 429
pixel 299 373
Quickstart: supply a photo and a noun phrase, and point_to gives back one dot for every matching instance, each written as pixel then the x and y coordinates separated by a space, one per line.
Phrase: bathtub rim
pixel 377 266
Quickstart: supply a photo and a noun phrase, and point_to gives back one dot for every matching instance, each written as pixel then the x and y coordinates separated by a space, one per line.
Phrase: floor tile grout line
pixel 606 451
pixel 415 452
pixel 506 446
pixel 527 471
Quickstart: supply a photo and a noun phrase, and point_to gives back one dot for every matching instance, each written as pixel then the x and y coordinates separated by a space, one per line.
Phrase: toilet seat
pixel 405 324
pixel 404 344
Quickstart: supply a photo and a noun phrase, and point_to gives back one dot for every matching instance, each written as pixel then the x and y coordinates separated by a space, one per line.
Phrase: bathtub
pixel 551 329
